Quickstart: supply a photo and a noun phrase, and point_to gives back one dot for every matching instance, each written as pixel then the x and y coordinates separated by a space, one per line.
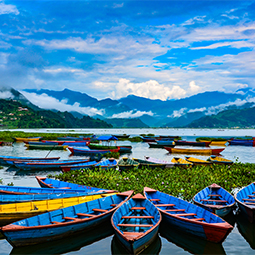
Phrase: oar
pixel 50 150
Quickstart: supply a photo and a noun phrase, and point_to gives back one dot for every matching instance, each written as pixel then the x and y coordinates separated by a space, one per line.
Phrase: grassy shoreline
pixel 177 181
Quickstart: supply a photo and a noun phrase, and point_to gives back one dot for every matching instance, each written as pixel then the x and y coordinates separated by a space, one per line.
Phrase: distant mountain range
pixel 208 109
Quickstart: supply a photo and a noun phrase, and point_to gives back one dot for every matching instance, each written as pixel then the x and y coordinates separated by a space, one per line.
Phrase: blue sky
pixel 153 49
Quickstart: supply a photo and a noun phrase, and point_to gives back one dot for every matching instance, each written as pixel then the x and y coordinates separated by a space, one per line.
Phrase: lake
pixel 240 241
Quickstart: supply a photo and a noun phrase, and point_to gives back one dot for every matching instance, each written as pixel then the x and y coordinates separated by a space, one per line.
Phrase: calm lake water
pixel 240 241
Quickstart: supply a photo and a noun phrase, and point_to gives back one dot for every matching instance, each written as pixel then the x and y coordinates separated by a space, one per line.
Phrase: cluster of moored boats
pixel 30 216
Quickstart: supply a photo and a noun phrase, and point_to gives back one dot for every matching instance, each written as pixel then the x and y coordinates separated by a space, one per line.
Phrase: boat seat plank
pixel 185 214
pixel 155 199
pixel 214 195
pixel 251 195
pixel 213 200
pixel 113 205
pixel 70 218
pixel 247 203
pixel 175 210
pixel 55 222
pixel 248 199
pixel 137 208
pixel 132 234
pixel 135 225
pixel 137 217
pixel 197 219
pixel 159 205
pixel 85 214
pixel 99 210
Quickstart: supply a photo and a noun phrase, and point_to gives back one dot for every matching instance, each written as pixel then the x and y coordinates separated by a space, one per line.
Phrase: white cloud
pixel 197 110
pixel 131 114
pixel 46 102
pixel 6 95
pixel 193 87
pixel 149 89
pixel 8 9
pixel 177 114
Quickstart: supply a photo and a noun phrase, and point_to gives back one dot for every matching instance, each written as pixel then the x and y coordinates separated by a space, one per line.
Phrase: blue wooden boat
pixel 87 151
pixel 45 182
pixel 188 217
pixel 136 223
pixel 71 243
pixel 242 142
pixel 6 159
pixel 11 161
pixel 43 164
pixel 125 148
pixel 215 199
pixel 107 164
pixel 19 190
pixel 10 199
pixel 63 222
pixel 245 199
pixel 41 143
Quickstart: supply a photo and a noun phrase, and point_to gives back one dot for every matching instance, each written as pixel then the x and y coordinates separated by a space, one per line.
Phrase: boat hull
pixel 195 151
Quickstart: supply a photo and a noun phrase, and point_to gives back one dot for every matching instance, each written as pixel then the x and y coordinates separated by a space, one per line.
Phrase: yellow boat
pixel 219 160
pixel 181 162
pixel 216 143
pixel 197 161
pixel 17 211
pixel 27 139
pixel 195 151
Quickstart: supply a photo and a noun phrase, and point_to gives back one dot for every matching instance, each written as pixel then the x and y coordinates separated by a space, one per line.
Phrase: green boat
pixel 127 163
pixel 46 147
pixel 147 164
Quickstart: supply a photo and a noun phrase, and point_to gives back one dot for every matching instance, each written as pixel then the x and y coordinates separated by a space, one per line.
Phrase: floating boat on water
pixel 168 164
pixel 119 136
pixel 86 151
pixel 71 243
pixel 188 217
pixel 17 211
pixel 64 143
pixel 105 164
pixel 215 199
pixel 216 142
pixel 245 199
pixel 195 151
pixel 125 148
pixel 149 138
pixel 22 139
pixel 49 183
pixel 10 159
pixel 219 160
pixel 45 146
pixel 136 223
pixel 168 142
pixel 44 164
pixel 192 143
pixel 127 163
pixel 242 142
pixel 10 199
pixel 71 138
pixel 197 161
pixel 64 222
pixel 97 146
pixel 181 162
pixel 148 164
pixel 19 190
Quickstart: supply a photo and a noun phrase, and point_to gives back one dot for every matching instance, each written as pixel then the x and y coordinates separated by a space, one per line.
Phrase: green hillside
pixel 237 118
pixel 14 114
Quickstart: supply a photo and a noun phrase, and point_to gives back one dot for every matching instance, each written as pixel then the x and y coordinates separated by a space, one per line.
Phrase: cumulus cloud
pixel 193 87
pixel 46 102
pixel 8 9
pixel 149 89
pixel 131 114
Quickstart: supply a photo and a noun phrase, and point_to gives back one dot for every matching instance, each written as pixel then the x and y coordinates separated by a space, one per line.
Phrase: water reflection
pixel 191 243
pixel 153 249
pixel 69 244
pixel 246 229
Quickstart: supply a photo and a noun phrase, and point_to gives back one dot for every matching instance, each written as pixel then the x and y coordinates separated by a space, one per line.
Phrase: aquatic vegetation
pixel 177 181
